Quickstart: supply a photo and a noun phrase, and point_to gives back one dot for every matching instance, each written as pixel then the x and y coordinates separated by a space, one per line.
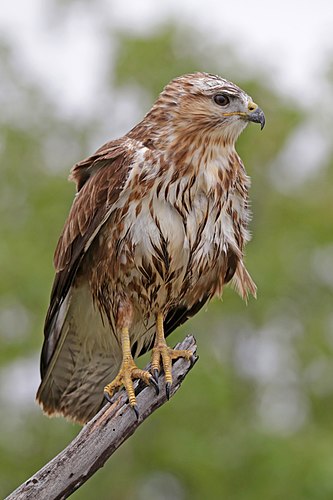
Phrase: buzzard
pixel 157 228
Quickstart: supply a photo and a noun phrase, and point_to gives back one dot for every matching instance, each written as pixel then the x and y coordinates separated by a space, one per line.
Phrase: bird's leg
pixel 163 355
pixel 128 370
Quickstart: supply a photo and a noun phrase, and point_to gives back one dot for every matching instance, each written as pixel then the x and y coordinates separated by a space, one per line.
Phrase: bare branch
pixel 100 438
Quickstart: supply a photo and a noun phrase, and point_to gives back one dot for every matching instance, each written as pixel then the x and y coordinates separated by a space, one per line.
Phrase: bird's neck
pixel 209 158
pixel 206 154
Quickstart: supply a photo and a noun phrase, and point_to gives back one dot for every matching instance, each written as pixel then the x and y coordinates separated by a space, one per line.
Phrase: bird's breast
pixel 177 246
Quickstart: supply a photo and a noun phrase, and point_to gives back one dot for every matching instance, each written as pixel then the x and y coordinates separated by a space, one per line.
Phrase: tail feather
pixel 87 357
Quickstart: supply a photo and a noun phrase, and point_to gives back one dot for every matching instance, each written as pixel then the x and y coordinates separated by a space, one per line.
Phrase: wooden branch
pixel 100 438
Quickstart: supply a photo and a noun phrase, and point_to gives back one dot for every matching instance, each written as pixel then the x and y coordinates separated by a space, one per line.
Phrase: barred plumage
pixel 157 228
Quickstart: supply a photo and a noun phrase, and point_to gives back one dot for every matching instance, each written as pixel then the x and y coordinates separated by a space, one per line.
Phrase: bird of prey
pixel 157 228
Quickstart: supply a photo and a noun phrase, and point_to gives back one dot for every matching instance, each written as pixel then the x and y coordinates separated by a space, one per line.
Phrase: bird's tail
pixel 86 357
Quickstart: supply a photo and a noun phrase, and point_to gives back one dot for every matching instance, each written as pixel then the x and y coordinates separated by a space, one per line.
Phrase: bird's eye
pixel 221 99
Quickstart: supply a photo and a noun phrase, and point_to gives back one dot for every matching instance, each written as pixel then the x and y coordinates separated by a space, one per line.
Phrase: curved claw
pixel 154 383
pixel 107 397
pixel 136 411
pixel 167 390
pixel 192 360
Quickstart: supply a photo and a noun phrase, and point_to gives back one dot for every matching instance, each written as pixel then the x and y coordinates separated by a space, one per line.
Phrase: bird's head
pixel 205 103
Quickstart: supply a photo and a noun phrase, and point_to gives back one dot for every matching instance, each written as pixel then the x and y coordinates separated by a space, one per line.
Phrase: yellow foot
pixel 162 356
pixel 127 373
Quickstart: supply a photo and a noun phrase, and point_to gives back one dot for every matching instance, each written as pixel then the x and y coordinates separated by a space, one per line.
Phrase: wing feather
pixel 100 180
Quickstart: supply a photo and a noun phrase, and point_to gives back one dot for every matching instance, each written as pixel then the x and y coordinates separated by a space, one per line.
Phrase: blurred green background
pixel 253 420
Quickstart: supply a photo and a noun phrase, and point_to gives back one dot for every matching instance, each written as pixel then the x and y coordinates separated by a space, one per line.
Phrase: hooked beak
pixel 257 116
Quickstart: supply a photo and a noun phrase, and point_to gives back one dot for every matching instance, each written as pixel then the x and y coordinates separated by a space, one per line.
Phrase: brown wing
pixel 100 180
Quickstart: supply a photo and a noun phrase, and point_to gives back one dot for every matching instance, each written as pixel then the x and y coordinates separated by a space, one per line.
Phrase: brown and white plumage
pixel 158 226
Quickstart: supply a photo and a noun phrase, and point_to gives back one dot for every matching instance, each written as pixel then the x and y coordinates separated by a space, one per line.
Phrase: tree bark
pixel 100 438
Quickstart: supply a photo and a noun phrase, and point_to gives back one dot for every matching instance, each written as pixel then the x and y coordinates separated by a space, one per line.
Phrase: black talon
pixel 192 360
pixel 155 375
pixel 107 397
pixel 155 384
pixel 167 390
pixel 136 411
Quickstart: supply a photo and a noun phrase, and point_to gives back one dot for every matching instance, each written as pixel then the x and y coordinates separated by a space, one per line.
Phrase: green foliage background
pixel 254 418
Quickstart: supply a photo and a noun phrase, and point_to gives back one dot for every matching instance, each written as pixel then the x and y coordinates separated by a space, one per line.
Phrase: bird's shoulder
pixel 100 180
pixel 124 151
